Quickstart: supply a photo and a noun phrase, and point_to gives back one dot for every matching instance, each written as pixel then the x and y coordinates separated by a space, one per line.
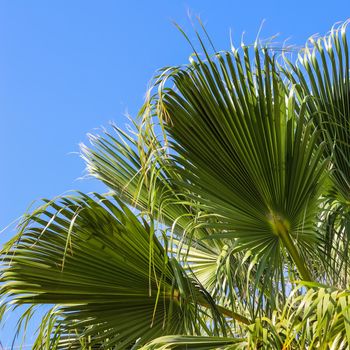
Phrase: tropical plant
pixel 227 224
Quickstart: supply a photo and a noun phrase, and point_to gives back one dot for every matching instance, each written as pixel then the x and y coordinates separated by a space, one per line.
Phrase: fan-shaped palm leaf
pixel 321 75
pixel 108 273
pixel 245 154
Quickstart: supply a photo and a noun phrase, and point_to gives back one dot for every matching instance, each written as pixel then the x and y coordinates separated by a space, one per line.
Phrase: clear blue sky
pixel 67 67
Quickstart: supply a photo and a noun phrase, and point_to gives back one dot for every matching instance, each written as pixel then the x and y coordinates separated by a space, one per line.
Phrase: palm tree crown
pixel 227 224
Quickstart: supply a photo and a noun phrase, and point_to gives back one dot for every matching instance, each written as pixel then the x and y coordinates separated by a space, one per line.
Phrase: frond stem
pixel 283 233
pixel 226 312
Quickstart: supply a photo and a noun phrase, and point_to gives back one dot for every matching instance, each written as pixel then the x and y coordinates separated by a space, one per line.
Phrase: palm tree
pixel 227 224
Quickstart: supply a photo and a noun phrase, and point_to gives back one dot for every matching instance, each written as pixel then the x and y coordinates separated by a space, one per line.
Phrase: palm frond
pixel 107 272
pixel 136 167
pixel 245 154
pixel 316 319
pixel 195 343
pixel 321 77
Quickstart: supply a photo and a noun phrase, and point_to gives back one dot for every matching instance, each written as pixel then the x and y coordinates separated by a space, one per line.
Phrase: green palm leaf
pixel 198 343
pixel 107 272
pixel 321 76
pixel 244 153
pixel 317 319
pixel 136 167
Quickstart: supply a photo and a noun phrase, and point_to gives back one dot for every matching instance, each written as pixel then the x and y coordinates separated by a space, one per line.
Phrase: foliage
pixel 227 222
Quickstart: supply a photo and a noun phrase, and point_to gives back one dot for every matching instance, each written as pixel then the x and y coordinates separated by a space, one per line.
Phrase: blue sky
pixel 69 67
